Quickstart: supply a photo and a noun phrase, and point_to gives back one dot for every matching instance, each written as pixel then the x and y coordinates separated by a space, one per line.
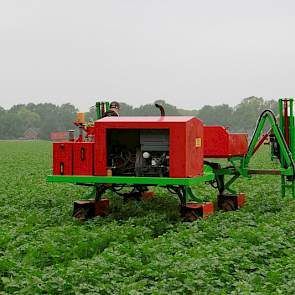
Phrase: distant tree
pixel 29 118
pixel 191 112
pixel 206 113
pixel 10 126
pixel 170 110
pixel 126 109
pixel 272 105
pixel 151 110
pixel 67 115
pixel 54 118
pixel 14 109
pixel 216 115
pixel 246 113
pixel 47 117
pixel 224 115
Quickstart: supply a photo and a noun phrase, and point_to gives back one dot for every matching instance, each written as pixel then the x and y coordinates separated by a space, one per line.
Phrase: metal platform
pixel 208 176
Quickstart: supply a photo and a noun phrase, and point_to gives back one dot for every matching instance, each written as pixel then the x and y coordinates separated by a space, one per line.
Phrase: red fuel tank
pixel 83 158
pixel 63 158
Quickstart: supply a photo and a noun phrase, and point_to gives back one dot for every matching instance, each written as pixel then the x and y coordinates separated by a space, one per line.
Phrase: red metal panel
pixel 195 147
pixel 83 158
pixel 215 141
pixel 62 158
pixel 241 200
pixel 208 208
pixel 177 151
pixel 238 144
pixel 182 141
pixel 219 143
pixel 200 210
pixel 147 119
pixel 100 150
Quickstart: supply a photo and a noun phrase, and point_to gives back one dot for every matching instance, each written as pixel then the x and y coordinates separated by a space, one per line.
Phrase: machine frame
pixel 214 173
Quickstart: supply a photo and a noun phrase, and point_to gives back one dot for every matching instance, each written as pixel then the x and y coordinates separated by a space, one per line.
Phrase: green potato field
pixel 142 247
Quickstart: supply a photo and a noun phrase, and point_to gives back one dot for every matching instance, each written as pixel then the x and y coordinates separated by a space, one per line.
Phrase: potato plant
pixel 142 247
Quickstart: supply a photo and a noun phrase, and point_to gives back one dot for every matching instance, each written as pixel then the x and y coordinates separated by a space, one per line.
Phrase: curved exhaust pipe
pixel 161 109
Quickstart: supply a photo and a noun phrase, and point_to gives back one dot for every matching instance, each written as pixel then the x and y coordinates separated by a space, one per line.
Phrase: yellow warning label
pixel 198 142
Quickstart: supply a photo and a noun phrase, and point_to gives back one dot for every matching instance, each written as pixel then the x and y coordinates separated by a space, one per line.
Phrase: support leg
pixel 94 205
pixel 191 207
pixel 283 185
pixel 232 200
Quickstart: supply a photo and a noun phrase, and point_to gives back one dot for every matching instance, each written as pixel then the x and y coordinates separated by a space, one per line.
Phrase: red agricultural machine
pixel 128 155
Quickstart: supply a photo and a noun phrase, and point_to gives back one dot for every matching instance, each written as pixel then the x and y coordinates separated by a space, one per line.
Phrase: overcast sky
pixel 189 53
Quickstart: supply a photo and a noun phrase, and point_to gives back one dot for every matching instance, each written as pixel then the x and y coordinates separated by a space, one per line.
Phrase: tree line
pixel 47 117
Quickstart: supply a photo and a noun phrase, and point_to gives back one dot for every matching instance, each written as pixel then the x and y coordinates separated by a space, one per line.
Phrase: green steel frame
pixel 161 181
pixel 240 165
pixel 98 108
pixel 183 184
pixel 286 109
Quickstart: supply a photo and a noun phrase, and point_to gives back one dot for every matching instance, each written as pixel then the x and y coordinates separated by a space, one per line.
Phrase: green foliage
pixel 248 111
pixel 142 247
pixel 47 117
pixel 240 118
pixel 149 109
pixel 44 117
pixel 213 115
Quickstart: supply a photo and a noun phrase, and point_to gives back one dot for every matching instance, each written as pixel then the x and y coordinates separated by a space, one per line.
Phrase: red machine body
pixel 188 143
pixel 73 158
pixel 219 143
pixel 185 141
pixel 62 158
pixel 83 158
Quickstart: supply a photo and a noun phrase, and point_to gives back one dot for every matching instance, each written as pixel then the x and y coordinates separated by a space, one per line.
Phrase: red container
pixel 83 158
pixel 62 158
pixel 219 143
pixel 185 141
pixel 58 136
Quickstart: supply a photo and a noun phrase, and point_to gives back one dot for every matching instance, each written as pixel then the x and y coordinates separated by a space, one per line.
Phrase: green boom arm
pixel 285 151
pixel 286 158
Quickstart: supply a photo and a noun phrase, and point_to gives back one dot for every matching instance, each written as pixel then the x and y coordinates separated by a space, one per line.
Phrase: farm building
pixel 31 134
pixel 58 136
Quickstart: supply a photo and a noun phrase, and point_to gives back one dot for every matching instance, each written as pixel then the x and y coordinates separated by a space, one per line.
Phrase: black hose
pixel 172 190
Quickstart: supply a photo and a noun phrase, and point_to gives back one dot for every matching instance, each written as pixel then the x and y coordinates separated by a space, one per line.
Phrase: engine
pixel 138 152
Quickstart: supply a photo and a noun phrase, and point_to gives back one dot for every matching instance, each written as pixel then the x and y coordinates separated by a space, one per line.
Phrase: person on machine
pixel 113 111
